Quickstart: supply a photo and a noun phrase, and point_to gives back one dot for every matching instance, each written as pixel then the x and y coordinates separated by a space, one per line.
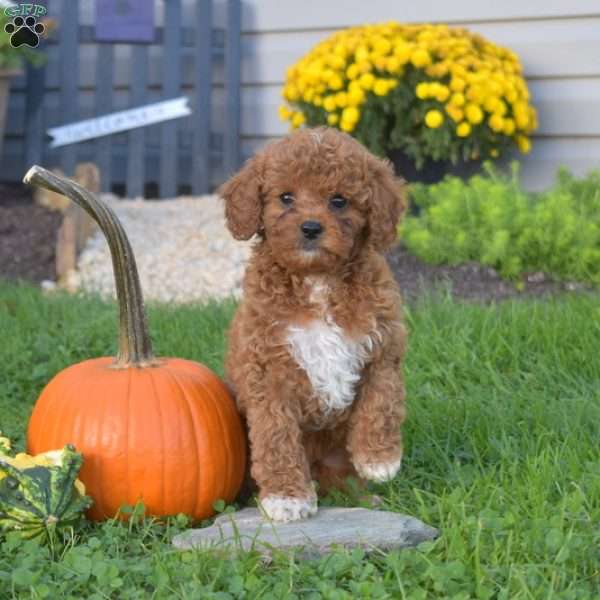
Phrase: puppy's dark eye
pixel 286 198
pixel 338 202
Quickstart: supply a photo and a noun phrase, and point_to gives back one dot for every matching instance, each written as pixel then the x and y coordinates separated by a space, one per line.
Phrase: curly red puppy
pixel 316 344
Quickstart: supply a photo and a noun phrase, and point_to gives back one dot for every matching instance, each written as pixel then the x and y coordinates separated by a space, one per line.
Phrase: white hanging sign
pixel 119 121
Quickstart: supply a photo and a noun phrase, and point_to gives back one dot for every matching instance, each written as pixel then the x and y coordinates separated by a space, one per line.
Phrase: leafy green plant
pixel 492 220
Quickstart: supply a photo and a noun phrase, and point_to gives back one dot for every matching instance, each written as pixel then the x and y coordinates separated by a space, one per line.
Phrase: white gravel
pixel 183 251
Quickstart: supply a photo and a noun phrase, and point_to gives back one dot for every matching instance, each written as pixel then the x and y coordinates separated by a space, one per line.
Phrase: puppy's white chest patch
pixel 332 361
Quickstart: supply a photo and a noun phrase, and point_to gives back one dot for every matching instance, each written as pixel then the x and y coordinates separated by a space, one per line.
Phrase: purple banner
pixel 125 21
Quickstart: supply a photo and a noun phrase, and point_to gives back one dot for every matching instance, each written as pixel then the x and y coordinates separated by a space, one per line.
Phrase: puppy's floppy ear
pixel 243 202
pixel 387 203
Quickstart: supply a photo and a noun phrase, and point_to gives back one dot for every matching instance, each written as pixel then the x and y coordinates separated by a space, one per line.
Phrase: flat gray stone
pixel 330 528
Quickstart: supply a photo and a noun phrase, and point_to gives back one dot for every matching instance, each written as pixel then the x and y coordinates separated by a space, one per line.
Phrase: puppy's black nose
pixel 311 229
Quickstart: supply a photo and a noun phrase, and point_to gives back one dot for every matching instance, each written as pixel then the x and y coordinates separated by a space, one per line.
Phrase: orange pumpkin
pixel 164 431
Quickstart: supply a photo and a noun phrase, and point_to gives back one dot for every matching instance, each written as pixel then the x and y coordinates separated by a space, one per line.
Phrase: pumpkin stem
pixel 135 346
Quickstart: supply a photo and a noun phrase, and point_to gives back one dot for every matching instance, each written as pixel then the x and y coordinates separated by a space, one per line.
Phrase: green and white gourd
pixel 40 495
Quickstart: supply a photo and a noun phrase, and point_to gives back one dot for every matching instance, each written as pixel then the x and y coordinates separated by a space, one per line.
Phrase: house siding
pixel 558 43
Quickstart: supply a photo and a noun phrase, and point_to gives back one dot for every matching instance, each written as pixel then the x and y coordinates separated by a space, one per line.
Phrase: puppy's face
pixel 314 214
pixel 316 197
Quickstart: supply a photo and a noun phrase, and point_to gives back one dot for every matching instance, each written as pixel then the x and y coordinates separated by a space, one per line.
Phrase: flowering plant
pixel 431 91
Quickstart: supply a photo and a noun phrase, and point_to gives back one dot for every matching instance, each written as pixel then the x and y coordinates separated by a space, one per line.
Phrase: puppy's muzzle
pixel 311 229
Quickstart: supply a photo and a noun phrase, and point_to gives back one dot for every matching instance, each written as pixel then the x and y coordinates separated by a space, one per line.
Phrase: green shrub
pixel 492 220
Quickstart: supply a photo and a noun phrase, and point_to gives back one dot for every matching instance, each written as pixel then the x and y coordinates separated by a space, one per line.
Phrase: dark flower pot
pixel 432 171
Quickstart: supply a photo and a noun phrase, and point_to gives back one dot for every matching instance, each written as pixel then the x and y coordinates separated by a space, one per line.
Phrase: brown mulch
pixel 27 235
pixel 469 281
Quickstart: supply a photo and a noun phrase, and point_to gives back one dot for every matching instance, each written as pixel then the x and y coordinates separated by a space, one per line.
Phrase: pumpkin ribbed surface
pixel 168 435
pixel 163 431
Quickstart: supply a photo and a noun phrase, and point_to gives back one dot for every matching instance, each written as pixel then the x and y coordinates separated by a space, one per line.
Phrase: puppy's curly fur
pixel 315 346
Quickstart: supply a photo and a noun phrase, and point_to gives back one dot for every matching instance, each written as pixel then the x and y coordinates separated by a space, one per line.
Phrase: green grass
pixel 501 455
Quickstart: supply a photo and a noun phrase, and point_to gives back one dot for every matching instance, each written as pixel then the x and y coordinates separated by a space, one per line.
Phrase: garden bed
pixel 468 281
pixel 28 235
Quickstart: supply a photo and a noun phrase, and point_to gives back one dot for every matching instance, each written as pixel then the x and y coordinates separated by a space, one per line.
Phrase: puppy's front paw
pixel 286 508
pixel 378 471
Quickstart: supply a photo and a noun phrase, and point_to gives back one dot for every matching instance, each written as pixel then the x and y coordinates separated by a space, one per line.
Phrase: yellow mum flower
pixel 354 85
pixel 329 103
pixel 402 52
pixel 367 80
pixel 347 126
pixel 291 93
pixel 381 87
pixel 352 71
pixel 422 91
pixel 378 61
pixel 341 99
pixel 351 114
pixel 459 73
pixel 336 83
pixel 521 114
pixel 364 66
pixel 509 127
pixel 355 97
pixel 491 103
pixel 457 84
pixel 457 99
pixel 437 70
pixel 501 108
pixel 496 122
pixel 335 61
pixel 328 74
pixel 308 95
pixel 420 58
pixel 473 113
pixel 463 129
pixel 471 80
pixel 524 144
pixel 425 36
pixel 392 64
pixel 382 46
pixel 284 112
pixel 433 119
pixel 494 152
pixel 362 53
pixel 475 94
pixel 495 87
pixel 298 119
pixel 340 50
pixel 455 113
pixel 511 95
pixel 442 93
